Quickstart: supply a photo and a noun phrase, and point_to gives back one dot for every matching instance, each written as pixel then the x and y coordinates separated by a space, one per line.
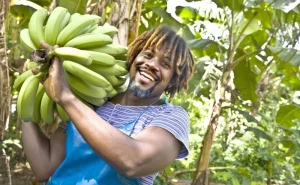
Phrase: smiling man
pixel 130 138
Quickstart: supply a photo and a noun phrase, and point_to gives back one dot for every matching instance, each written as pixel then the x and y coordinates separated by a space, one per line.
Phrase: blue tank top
pixel 82 166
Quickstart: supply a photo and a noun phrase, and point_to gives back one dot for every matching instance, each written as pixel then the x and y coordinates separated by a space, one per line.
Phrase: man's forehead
pixel 164 49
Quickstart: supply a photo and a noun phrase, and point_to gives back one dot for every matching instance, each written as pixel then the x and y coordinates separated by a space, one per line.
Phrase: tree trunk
pixel 201 176
pixel 5 177
pixel 125 15
pixel 4 73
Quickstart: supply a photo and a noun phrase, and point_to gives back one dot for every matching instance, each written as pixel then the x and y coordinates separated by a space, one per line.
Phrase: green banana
pixel 111 93
pixel 27 96
pixel 89 40
pixel 82 100
pixel 92 28
pixel 114 70
pixel 85 74
pixel 26 40
pixel 89 99
pixel 83 31
pixel 52 28
pixel 102 58
pixel 31 65
pixel 88 29
pixel 65 21
pixel 74 17
pixel 106 29
pixel 76 55
pixel 72 29
pixel 115 81
pixel 121 57
pixel 20 79
pixel 36 117
pixel 123 64
pixel 62 114
pixel 35 26
pixel 121 88
pixel 113 49
pixel 84 88
pixel 47 109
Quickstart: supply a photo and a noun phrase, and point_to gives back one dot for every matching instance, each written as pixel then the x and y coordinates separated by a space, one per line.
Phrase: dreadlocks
pixel 176 48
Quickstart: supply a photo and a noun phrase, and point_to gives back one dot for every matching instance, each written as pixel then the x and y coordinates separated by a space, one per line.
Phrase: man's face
pixel 150 73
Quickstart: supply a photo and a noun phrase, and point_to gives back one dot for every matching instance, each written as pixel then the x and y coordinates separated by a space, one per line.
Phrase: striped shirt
pixel 167 116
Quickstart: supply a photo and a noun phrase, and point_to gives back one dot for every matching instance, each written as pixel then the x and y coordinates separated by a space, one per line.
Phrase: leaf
pixel 186 13
pixel 290 132
pixel 170 21
pixel 74 6
pixel 284 5
pixel 295 59
pixel 259 133
pixel 23 9
pixel 274 50
pixel 155 3
pixel 204 47
pixel 235 182
pixel 252 27
pixel 290 75
pixel 169 171
pixel 290 55
pixel 287 54
pixel 287 114
pixel 235 5
pixel 245 81
pixel 289 143
pixel 197 76
pixel 43 3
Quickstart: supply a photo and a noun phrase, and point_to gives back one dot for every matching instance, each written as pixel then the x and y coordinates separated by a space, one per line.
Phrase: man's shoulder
pixel 175 108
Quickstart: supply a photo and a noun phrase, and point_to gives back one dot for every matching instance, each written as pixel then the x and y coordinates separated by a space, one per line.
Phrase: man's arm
pixel 150 151
pixel 44 155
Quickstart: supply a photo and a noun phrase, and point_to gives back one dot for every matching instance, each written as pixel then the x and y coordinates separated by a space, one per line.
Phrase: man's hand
pixel 55 83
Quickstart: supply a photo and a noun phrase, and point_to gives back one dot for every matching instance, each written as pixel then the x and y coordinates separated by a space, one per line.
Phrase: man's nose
pixel 153 64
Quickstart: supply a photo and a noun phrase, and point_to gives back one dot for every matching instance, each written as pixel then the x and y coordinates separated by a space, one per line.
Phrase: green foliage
pixel 74 6
pixel 245 81
pixel 287 114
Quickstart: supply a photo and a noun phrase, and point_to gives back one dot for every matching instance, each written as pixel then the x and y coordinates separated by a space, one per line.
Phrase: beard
pixel 138 91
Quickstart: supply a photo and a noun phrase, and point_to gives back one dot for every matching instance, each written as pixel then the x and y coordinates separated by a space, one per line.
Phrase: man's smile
pixel 143 73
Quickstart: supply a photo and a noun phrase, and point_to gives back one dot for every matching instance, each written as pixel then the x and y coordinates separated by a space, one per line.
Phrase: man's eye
pixel 147 55
pixel 166 64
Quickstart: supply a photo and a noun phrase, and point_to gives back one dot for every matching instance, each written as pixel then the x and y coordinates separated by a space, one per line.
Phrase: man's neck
pixel 127 99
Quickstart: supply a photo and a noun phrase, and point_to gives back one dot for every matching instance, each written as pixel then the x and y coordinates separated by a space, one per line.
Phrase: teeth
pixel 147 76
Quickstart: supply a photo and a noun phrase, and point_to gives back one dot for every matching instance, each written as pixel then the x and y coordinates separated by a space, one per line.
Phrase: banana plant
pixel 245 58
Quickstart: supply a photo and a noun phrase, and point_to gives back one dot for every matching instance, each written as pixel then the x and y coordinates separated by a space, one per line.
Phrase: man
pixel 132 136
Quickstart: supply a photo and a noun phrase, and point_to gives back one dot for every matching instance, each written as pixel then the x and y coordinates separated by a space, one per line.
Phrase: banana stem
pixel 40 56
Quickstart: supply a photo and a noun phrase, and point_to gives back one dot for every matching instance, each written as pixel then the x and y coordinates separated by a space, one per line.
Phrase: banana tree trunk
pixel 5 177
pixel 125 15
pixel 4 73
pixel 201 176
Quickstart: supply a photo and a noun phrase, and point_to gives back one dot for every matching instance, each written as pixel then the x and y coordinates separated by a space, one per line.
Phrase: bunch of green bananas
pixel 95 66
